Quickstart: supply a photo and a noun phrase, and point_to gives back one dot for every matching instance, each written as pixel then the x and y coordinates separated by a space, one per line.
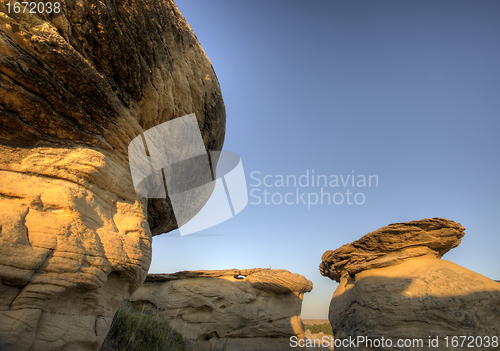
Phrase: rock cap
pixel 278 281
pixel 390 245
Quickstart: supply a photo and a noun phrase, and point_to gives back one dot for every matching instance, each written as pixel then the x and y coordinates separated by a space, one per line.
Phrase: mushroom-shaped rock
pixel 390 245
pixel 251 307
pixel 77 85
pixel 394 285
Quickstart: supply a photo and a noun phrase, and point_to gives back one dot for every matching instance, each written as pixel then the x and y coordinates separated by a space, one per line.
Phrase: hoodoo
pixel 394 287
pixel 76 87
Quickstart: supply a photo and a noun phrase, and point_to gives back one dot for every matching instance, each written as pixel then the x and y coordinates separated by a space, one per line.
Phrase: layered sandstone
pixel 391 245
pixel 393 285
pixel 252 308
pixel 75 89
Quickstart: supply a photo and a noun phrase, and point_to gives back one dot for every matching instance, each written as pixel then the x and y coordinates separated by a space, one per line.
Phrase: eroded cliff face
pixel 393 285
pixel 75 89
pixel 256 309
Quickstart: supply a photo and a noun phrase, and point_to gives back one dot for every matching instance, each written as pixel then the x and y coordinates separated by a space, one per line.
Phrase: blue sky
pixel 406 91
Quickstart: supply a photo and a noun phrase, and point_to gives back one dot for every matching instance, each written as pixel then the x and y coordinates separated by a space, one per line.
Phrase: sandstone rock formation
pixel 253 308
pixel 393 285
pixel 390 245
pixel 75 88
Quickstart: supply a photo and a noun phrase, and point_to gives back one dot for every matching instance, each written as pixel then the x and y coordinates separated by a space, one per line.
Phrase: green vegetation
pixel 133 330
pixel 142 331
pixel 324 328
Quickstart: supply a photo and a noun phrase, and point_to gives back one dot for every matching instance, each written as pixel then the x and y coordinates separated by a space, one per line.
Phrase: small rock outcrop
pixel 251 308
pixel 394 285
pixel 76 87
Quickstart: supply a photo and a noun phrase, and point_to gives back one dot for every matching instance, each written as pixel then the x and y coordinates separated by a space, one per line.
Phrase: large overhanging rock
pixel 393 286
pixel 75 89
pixel 253 308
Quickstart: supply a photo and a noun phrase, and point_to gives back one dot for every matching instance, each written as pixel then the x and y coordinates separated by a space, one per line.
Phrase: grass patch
pixel 142 331
pixel 324 328
pixel 147 330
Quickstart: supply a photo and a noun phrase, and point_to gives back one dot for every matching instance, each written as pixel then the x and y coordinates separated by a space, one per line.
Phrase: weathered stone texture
pixel 390 245
pixel 399 295
pixel 75 89
pixel 249 307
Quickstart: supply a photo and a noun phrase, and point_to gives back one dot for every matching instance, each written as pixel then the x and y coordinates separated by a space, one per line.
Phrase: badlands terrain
pixel 76 88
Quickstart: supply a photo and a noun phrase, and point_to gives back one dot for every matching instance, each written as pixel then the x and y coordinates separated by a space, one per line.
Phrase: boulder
pixel 401 290
pixel 251 308
pixel 76 87
pixel 390 245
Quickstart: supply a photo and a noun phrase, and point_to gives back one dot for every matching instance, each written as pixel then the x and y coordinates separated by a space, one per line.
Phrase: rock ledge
pixel 394 285
pixel 390 245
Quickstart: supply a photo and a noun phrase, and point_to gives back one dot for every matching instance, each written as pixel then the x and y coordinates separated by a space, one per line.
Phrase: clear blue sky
pixel 407 91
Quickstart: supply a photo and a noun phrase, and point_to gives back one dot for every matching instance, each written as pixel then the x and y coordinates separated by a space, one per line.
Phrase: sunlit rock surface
pixel 253 308
pixel 393 285
pixel 75 89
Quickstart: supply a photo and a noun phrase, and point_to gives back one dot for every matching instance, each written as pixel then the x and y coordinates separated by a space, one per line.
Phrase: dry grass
pixel 146 331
